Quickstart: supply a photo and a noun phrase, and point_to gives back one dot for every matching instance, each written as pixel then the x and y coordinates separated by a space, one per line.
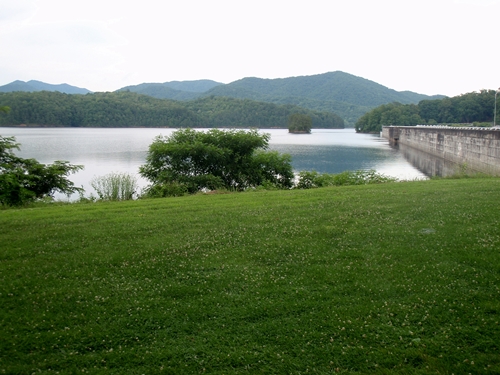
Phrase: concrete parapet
pixel 479 148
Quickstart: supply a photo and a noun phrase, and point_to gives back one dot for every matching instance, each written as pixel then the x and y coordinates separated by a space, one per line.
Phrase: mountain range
pixel 346 95
pixel 35 86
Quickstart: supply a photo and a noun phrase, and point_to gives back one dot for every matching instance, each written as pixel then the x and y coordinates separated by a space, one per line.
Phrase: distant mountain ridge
pixel 337 92
pixel 35 86
pixel 332 86
pixel 201 85
pixel 174 90
pixel 347 95
pixel 344 94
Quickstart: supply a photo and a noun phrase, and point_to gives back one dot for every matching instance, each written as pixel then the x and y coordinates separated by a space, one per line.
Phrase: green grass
pixel 399 278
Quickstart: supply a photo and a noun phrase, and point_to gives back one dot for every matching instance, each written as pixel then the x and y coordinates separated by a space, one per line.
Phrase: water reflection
pixel 338 150
pixel 428 164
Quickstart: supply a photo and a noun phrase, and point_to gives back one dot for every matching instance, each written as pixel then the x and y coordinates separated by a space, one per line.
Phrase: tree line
pixel 467 108
pixel 127 109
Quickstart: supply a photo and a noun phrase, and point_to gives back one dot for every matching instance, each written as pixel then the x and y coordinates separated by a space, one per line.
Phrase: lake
pixel 107 150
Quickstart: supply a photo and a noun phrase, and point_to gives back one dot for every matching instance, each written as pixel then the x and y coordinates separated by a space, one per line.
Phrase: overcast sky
pixel 445 47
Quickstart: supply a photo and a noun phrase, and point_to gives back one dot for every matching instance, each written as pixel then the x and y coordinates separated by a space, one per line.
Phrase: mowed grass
pixel 399 278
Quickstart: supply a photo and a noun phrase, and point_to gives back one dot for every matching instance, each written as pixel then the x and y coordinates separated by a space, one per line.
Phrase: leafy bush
pixel 313 179
pixel 216 159
pixel 25 180
pixel 115 186
pixel 168 189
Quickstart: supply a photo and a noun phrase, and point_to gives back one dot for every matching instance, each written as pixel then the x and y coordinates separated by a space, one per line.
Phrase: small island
pixel 299 123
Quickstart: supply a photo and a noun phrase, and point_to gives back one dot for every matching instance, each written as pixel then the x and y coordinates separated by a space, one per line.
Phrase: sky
pixel 447 47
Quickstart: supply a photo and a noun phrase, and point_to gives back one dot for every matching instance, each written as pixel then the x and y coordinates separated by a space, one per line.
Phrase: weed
pixel 115 186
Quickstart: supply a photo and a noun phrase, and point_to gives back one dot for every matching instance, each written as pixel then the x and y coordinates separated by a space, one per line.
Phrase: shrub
pixel 167 189
pixel 313 179
pixel 25 180
pixel 215 159
pixel 115 186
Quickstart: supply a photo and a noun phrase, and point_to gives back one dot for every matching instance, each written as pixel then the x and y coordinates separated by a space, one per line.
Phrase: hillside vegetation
pixel 467 108
pixel 337 92
pixel 400 278
pixel 231 112
pixel 175 90
pixel 127 109
pixel 342 93
pixel 34 86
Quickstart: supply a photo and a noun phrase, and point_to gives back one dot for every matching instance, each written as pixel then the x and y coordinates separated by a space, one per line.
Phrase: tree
pixel 190 161
pixel 25 180
pixel 299 123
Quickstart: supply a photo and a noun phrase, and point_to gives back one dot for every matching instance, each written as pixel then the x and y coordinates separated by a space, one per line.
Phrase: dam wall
pixel 477 148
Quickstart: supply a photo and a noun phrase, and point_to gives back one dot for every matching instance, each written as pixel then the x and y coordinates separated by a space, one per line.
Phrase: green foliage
pixel 32 86
pixel 299 123
pixel 313 179
pixel 166 189
pixel 216 159
pixel 115 186
pixel 175 90
pixel 337 92
pixel 389 114
pixel 223 112
pixel 25 180
pixel 122 109
pixel 126 109
pixel 4 109
pixel 474 107
pixel 271 169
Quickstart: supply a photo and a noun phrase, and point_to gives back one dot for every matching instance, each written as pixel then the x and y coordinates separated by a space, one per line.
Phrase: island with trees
pixel 299 123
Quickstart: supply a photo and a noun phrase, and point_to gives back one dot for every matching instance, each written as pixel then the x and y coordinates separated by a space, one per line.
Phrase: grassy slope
pixel 395 278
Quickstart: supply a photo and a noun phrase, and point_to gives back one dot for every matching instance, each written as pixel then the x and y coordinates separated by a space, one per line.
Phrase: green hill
pixel 200 85
pixel 175 90
pixel 341 93
pixel 232 112
pixel 337 92
pixel 334 86
pixel 34 86
pixel 127 109
pixel 347 95
pixel 122 109
pixel 159 91
pixel 473 107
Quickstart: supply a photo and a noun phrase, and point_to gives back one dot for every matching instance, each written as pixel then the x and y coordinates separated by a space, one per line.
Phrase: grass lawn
pixel 399 278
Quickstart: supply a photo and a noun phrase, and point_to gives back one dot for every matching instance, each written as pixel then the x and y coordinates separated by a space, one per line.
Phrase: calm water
pixel 102 151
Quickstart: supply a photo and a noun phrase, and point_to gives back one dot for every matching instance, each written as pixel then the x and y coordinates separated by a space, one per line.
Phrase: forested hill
pixel 223 110
pixel 467 108
pixel 333 86
pixel 345 94
pixel 34 86
pixel 127 109
pixel 175 90
pixel 337 92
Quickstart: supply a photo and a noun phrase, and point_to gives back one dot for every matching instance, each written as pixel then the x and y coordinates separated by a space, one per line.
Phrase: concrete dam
pixel 476 148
